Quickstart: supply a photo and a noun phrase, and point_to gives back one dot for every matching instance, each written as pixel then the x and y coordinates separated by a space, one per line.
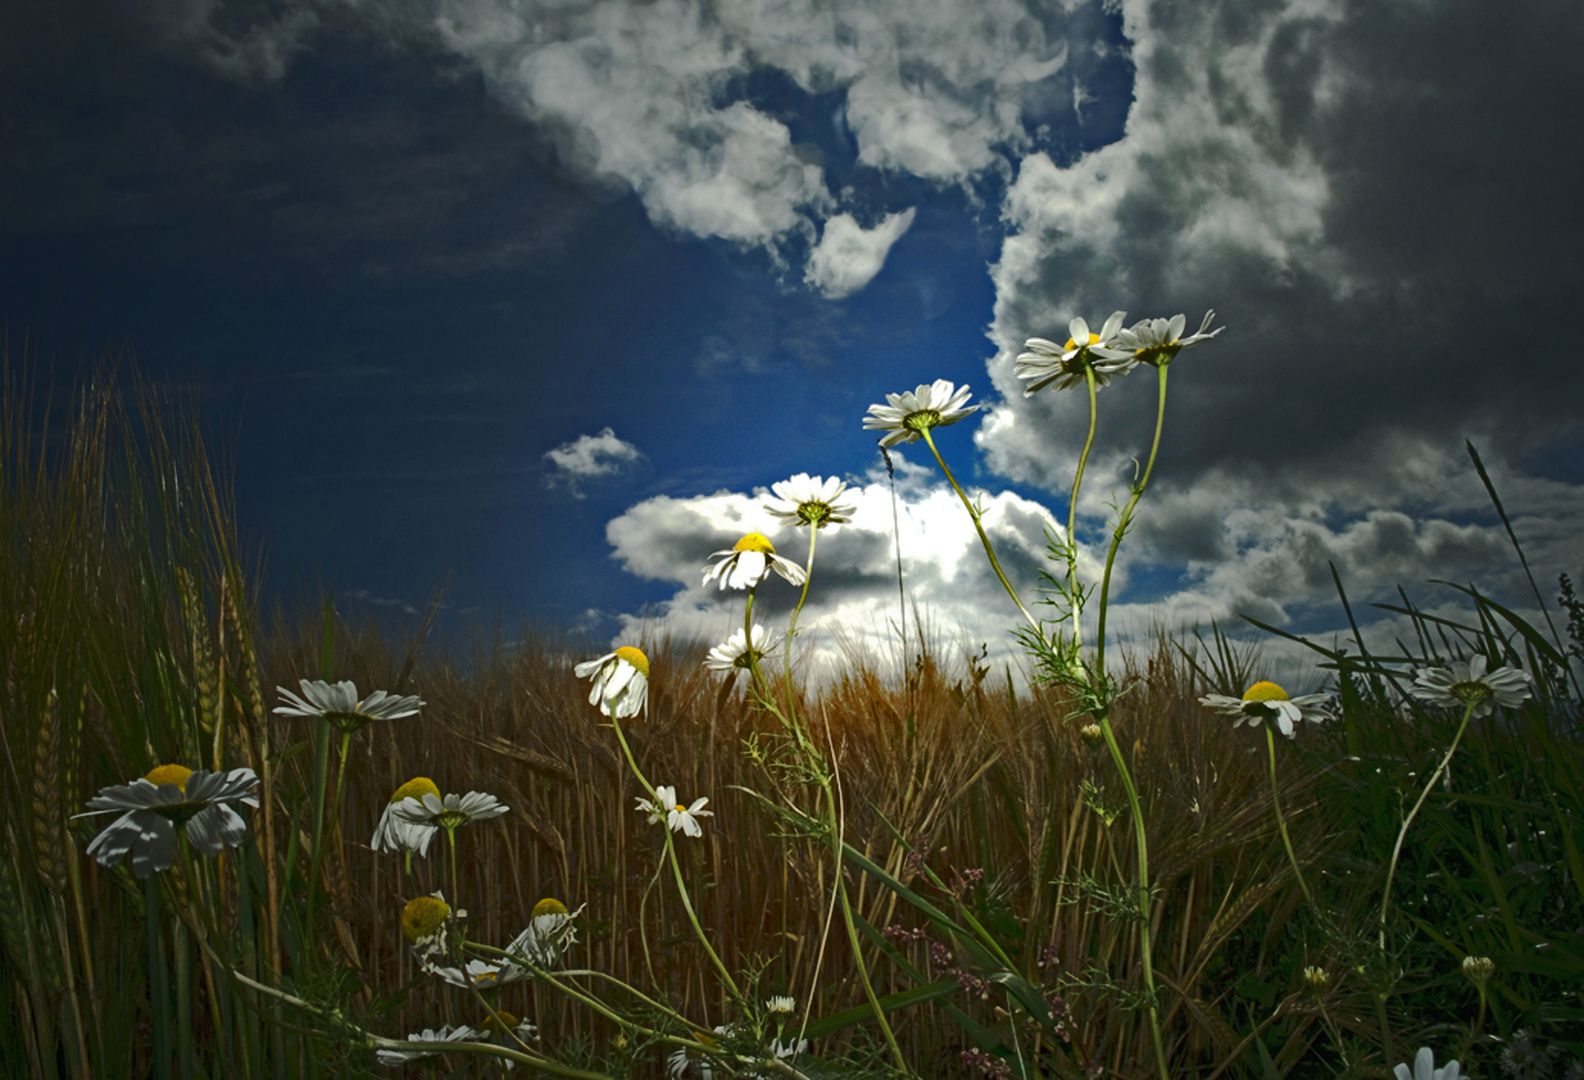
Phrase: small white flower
pixel 732 654
pixel 1267 701
pixel 1462 683
pixel 426 1043
pixel 1157 341
pixel 787 1049
pixel 677 1064
pixel 908 415
pixel 549 933
pixel 681 819
pixel 451 812
pixel 423 924
pixel 395 833
pixel 339 704
pixel 781 1003
pixel 1049 364
pixel 482 974
pixel 151 807
pixel 1424 1068
pixel 805 500
pixel 621 681
pixel 748 563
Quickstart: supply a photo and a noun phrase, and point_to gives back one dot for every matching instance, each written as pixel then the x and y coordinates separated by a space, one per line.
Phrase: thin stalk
pixel 321 782
pixel 158 998
pixel 753 661
pixel 1124 521
pixel 808 577
pixel 995 564
pixel 1072 514
pixel 1270 743
pixel 1143 894
pixel 1391 870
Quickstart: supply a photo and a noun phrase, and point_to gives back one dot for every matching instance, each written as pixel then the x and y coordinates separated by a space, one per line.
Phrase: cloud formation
pixel 848 256
pixel 589 457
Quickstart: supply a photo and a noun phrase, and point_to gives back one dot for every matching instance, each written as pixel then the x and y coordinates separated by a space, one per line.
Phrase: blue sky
pixel 544 295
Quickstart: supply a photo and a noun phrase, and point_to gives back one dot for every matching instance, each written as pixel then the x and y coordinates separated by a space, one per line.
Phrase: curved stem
pixel 1402 833
pixel 1124 522
pixel 808 576
pixel 687 906
pixel 1072 516
pixel 1270 742
pixel 1143 894
pixel 995 564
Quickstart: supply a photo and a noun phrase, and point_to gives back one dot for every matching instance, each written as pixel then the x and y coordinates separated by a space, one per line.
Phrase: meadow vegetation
pixel 984 830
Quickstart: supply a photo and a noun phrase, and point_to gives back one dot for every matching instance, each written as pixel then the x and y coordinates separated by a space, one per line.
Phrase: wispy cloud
pixel 590 458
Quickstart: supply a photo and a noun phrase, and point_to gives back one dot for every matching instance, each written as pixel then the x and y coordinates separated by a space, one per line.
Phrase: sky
pixel 539 298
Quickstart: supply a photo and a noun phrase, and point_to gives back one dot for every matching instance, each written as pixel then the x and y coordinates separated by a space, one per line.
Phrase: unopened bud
pixel 1316 978
pixel 1092 734
pixel 1478 969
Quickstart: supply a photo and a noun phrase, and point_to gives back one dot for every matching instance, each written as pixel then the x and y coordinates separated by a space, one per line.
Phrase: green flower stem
pixel 863 972
pixel 1143 894
pixel 995 564
pixel 159 999
pixel 808 577
pixel 1402 833
pixel 1270 742
pixel 321 782
pixel 456 892
pixel 676 864
pixel 753 661
pixel 1124 522
pixel 1072 514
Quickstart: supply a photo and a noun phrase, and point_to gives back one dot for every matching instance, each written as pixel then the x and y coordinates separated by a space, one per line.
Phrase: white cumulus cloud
pixel 589 457
pixel 848 256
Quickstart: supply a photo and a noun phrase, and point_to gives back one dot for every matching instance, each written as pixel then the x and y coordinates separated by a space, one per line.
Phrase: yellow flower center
pixel 922 420
pixel 500 1023
pixel 634 657
pixel 422 918
pixel 1265 691
pixel 169 774
pixel 679 808
pixel 416 788
pixel 755 542
pixel 549 906
pixel 1073 343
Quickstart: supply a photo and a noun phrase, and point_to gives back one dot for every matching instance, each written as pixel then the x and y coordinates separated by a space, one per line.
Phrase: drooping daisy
pixel 339 704
pixel 806 500
pixel 733 654
pixel 426 1043
pixel 550 932
pixel 423 923
pixel 505 1028
pixel 1156 341
pixel 1424 1068
pixel 748 563
pixel 152 806
pixel 1045 363
pixel 1267 701
pixel 482 974
pixel 682 819
pixel 679 1061
pixel 621 681
pixel 396 833
pixel 1462 683
pixel 906 416
pixel 452 812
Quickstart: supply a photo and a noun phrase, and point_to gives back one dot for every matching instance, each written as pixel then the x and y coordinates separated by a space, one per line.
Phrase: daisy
pixel 1157 341
pixel 677 1064
pixel 781 1003
pixel 395 833
pixel 1424 1068
pixel 907 415
pixel 805 500
pixel 339 704
pixel 1463 683
pixel 427 1043
pixel 621 681
pixel 681 819
pixel 1266 700
pixel 423 923
pixel 734 654
pixel 1047 363
pixel 151 807
pixel 549 933
pixel 748 563
pixel 482 974
pixel 451 813
pixel 509 1030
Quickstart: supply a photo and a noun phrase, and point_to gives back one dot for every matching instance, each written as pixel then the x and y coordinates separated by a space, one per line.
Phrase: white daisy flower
pixel 1462 683
pixel 681 819
pixel 806 500
pixel 508 1031
pixel 621 681
pixel 451 812
pixel 1047 363
pixel 151 807
pixel 781 1003
pixel 1156 341
pixel 339 704
pixel 907 415
pixel 733 654
pixel 482 974
pixel 426 1043
pixel 1424 1068
pixel 677 1064
pixel 549 933
pixel 748 563
pixel 423 924
pixel 395 833
pixel 1267 701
